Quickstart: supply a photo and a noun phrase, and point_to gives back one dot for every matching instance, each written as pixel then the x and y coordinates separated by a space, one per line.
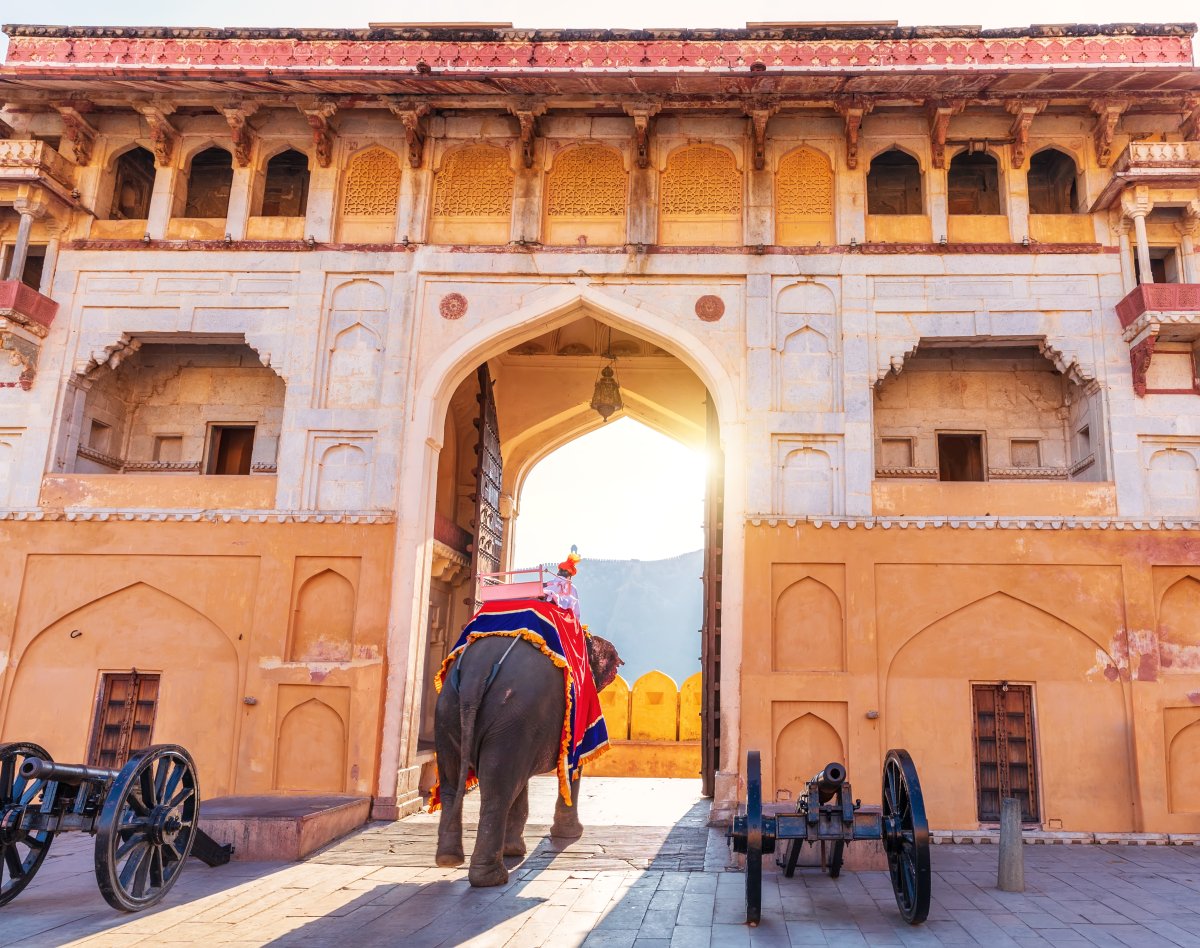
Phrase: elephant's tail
pixel 470 697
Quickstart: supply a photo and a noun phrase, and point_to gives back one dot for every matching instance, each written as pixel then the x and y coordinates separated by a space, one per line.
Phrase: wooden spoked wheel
pixel 21 851
pixel 835 858
pixel 906 836
pixel 754 838
pixel 147 827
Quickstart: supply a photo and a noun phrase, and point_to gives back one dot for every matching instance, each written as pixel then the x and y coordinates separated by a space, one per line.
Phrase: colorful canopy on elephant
pixel 557 634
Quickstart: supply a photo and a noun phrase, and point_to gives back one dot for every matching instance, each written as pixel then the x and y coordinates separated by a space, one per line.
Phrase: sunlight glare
pixel 623 491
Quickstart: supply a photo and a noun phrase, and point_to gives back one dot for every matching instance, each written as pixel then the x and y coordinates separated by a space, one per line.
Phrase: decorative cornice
pixel 137 515
pixel 912 473
pixel 976 523
pixel 1027 473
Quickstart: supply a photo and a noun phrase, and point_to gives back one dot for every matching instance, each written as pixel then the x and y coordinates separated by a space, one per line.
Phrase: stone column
pixel 1136 205
pixel 21 249
pixel 1018 204
pixel 1128 278
pixel 1189 229
pixel 238 212
pixel 162 200
pixel 937 202
pixel 48 264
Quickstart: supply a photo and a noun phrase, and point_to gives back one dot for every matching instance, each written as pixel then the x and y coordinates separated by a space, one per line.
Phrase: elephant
pixel 511 730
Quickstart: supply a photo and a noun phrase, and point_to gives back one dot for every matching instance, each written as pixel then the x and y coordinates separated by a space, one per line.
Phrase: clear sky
pixel 613 13
pixel 622 491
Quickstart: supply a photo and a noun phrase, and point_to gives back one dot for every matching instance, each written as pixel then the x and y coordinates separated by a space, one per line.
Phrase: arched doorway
pixel 442 409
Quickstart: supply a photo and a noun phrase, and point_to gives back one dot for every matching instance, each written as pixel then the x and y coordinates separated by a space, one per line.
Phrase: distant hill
pixel 650 609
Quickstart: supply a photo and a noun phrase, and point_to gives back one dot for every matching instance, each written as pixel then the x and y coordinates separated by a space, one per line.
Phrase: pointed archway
pixel 430 432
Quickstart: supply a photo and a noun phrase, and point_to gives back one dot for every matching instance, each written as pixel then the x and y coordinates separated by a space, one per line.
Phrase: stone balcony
pixel 25 318
pixel 1157 164
pixel 36 162
pixel 1156 313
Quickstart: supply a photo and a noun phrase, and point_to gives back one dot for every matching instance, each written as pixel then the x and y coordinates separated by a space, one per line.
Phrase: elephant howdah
pixel 518 696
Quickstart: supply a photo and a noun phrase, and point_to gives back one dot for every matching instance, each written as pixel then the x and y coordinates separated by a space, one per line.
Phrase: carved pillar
pixel 527 193
pixel 162 200
pixel 1135 205
pixel 1188 230
pixel 643 178
pixel 1018 204
pixel 16 266
pixel 1128 278
pixel 49 263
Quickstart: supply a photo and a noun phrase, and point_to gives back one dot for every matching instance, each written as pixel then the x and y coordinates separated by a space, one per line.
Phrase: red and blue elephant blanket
pixel 557 634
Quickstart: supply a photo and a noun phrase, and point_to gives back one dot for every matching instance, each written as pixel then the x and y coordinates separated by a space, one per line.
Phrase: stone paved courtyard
pixel 647 873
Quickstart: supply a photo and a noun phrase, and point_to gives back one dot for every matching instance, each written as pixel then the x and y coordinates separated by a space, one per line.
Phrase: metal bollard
pixel 1011 877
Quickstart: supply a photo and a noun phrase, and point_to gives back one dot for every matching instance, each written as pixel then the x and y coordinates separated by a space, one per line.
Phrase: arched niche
pixel 804 199
pixel 586 194
pixel 1172 484
pixel 700 198
pixel 1183 766
pixel 355 365
pixel 806 376
pixel 473 197
pixel 370 197
pixel 806 483
pixel 1053 183
pixel 802 749
pixel 323 619
pixel 310 754
pixel 142 627
pixel 929 710
pixel 1179 628
pixel 342 478
pixel 209 183
pixel 132 175
pixel 807 632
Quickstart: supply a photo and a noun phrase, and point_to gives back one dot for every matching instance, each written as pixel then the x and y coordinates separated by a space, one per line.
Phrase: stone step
pixel 281 828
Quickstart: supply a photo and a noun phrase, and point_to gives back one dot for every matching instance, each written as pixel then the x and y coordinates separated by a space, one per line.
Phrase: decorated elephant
pixel 502 717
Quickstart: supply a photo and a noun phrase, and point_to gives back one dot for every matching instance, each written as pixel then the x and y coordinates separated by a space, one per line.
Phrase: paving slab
pixel 647 873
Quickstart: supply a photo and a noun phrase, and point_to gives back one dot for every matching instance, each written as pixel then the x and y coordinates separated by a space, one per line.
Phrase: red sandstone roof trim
pixel 46 50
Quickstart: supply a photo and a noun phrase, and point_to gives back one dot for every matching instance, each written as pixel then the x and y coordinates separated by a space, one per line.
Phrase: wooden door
pixel 710 639
pixel 1005 755
pixel 488 543
pixel 125 712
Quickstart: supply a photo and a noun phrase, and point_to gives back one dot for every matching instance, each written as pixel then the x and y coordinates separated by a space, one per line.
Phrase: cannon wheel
pixel 21 851
pixel 147 827
pixel 754 838
pixel 906 836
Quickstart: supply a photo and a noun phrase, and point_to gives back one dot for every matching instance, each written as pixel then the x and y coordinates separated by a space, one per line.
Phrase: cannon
pixel 144 817
pixel 828 814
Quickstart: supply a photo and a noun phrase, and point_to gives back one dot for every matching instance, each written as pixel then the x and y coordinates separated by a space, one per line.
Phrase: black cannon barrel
pixel 829 780
pixel 34 768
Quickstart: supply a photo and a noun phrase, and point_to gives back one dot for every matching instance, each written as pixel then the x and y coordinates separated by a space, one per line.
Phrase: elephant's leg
pixel 566 818
pixel 449 844
pixel 514 833
pixel 503 776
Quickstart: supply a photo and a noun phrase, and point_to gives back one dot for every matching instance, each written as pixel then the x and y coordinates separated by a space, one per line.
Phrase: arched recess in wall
pixel 370 197
pixel 323 619
pixel 8 457
pixel 1173 483
pixel 806 359
pixel 1179 628
pixel 929 710
pixel 804 199
pixel 342 478
pixel 1184 766
pixel 700 200
pixel 586 197
pixel 138 626
pixel 654 708
pixel 311 751
pixel 807 483
pixel 355 361
pixel 805 746
pixel 807 633
pixel 473 197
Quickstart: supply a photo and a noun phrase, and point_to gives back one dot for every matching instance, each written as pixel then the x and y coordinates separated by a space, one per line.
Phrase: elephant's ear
pixel 603 657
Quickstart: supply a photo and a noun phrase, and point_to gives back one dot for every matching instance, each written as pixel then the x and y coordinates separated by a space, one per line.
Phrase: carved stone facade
pixel 260 426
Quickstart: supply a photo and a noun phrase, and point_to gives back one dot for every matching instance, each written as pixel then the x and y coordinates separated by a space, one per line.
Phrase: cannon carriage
pixel 145 817
pixel 827 814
